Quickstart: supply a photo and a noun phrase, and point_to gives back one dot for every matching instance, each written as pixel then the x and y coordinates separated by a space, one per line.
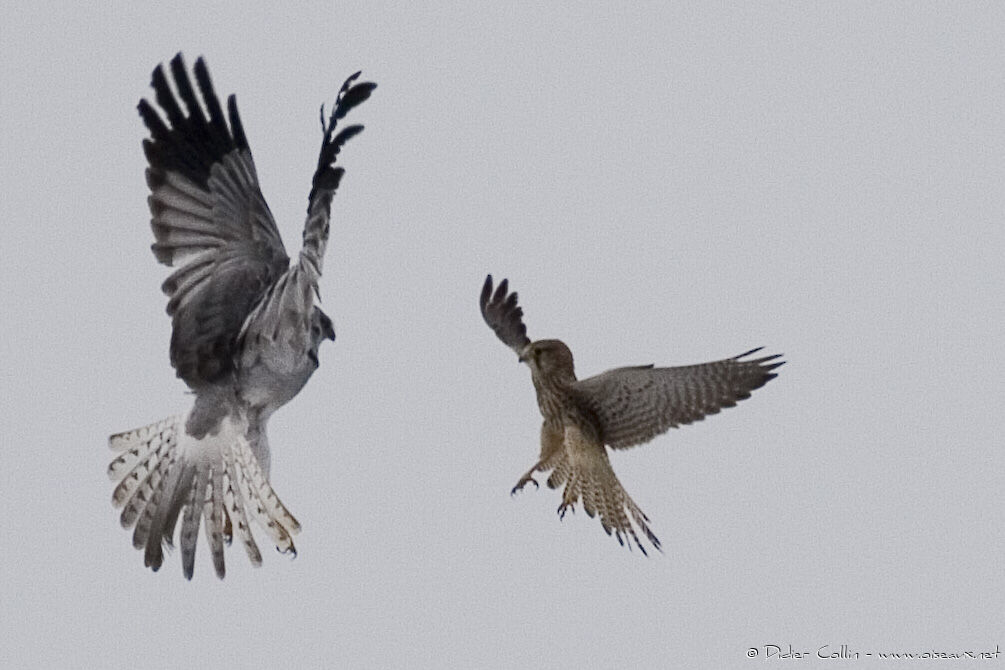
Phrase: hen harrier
pixel 621 408
pixel 245 329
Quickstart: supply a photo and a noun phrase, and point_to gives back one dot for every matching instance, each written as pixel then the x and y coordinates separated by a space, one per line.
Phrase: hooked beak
pixel 327 327
pixel 524 355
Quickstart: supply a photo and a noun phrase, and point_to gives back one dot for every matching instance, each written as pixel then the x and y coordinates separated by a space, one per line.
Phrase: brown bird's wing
pixel 210 221
pixel 633 405
pixel 503 315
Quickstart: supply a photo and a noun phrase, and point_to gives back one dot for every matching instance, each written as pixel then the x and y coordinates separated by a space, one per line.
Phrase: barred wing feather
pixel 635 404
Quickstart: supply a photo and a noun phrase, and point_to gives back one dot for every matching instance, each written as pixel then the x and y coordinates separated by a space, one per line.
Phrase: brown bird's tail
pixel 586 472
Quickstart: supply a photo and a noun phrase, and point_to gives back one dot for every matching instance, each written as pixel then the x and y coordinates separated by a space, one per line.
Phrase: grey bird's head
pixel 550 358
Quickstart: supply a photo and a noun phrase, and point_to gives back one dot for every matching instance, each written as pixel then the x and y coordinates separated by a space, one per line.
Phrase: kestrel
pixel 245 326
pixel 619 408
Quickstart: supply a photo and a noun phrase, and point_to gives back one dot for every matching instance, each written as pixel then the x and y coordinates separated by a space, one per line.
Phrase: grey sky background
pixel 667 184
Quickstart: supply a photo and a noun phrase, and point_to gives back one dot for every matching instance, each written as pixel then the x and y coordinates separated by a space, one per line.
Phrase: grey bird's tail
pixel 164 474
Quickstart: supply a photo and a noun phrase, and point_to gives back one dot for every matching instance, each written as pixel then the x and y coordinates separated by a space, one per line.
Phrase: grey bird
pixel 619 408
pixel 245 324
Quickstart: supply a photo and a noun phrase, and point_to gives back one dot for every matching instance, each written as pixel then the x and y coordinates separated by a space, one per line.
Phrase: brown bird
pixel 619 408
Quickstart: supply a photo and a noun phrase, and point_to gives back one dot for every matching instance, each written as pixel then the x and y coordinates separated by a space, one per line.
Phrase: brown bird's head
pixel 549 358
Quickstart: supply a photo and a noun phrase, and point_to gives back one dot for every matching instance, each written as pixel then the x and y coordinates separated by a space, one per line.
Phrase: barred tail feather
pixel 258 501
pixel 136 447
pixel 159 508
pixel 212 512
pixel 137 489
pixel 586 473
pixel 273 505
pixel 167 475
pixel 190 522
pixel 179 499
pixel 150 494
pixel 235 505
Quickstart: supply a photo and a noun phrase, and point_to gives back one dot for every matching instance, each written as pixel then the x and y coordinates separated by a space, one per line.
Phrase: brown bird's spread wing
pixel 210 221
pixel 503 315
pixel 633 405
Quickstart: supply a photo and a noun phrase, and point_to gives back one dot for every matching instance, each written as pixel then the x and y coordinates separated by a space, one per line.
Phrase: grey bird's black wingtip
pixel 326 175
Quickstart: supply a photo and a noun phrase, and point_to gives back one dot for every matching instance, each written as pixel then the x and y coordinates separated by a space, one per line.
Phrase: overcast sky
pixel 669 185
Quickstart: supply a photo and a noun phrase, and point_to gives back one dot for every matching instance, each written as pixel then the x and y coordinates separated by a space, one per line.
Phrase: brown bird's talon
pixel 565 506
pixel 523 482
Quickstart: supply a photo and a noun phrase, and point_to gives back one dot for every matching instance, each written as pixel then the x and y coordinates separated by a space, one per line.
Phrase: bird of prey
pixel 245 326
pixel 619 408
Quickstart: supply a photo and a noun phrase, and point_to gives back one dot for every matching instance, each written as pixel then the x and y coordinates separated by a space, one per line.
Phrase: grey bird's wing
pixel 232 278
pixel 210 221
pixel 287 310
pixel 633 405
pixel 503 315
